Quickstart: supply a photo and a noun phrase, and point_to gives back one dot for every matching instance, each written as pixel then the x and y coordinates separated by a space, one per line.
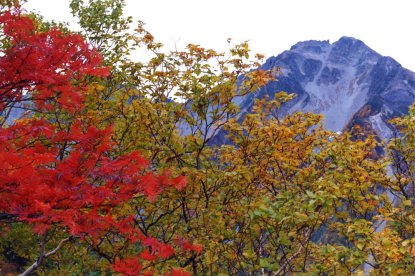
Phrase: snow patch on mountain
pixel 338 101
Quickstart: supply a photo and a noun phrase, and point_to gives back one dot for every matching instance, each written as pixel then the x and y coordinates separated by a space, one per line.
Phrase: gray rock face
pixel 346 81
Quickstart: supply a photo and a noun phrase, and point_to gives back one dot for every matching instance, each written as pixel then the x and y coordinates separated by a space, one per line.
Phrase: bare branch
pixel 42 256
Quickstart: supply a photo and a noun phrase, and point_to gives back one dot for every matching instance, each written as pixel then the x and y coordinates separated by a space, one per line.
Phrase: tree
pixel 58 174
pixel 394 250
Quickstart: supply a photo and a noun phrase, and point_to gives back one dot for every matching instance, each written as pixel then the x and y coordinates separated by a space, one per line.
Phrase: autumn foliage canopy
pixel 109 165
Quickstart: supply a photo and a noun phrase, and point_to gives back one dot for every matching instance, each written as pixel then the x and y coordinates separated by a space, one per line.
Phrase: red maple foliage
pixel 179 272
pixel 44 65
pixel 129 266
pixel 66 177
pixel 188 246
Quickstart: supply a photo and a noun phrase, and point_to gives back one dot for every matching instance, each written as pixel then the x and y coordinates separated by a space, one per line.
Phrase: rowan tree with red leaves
pixel 57 172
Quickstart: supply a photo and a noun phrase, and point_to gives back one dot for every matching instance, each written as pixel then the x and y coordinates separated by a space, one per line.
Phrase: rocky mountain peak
pixel 338 80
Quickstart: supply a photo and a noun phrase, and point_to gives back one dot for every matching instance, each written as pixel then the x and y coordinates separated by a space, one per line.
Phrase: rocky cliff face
pixel 346 81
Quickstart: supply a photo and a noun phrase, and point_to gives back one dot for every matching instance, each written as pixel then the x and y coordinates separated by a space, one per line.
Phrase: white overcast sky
pixel 386 26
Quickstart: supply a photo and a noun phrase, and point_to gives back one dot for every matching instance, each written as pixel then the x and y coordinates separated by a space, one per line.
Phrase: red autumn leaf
pixel 146 255
pixel 188 246
pixel 130 267
pixel 165 251
pixel 179 182
pixel 179 272
pixel 159 249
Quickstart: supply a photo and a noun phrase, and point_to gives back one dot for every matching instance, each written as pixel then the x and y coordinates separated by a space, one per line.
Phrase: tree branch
pixel 44 255
pixel 288 261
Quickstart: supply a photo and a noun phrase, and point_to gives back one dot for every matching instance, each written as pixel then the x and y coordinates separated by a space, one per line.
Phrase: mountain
pixel 346 81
